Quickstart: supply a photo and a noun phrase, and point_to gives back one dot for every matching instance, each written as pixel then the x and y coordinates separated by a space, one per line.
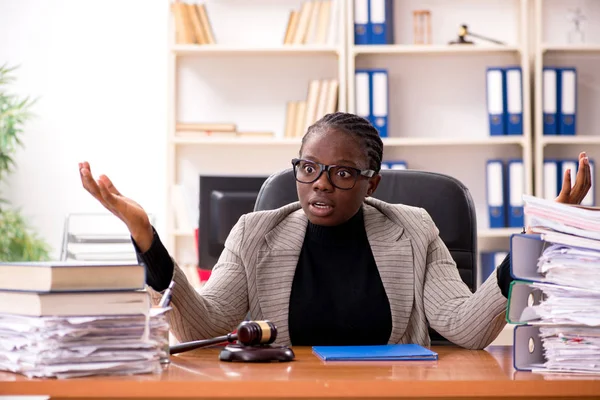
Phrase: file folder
pixel 398 165
pixel 363 94
pixel 516 189
pixel 528 349
pixel 564 166
pixel 550 96
pixel 361 22
pixel 381 22
pixel 389 352
pixel 490 260
pixel 525 249
pixel 590 198
pixel 568 103
pixel 495 193
pixel 514 101
pixel 496 100
pixel 552 179
pixel 379 101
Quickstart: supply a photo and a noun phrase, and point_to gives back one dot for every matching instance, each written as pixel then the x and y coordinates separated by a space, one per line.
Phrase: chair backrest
pixel 446 199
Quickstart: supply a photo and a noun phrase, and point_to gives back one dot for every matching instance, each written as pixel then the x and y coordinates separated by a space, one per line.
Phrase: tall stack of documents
pixel 556 292
pixel 72 319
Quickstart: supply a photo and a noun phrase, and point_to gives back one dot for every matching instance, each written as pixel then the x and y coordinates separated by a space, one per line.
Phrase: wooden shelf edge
pixel 432 49
pixel 194 49
pixel 490 233
pixel 548 139
pixel 571 48
pixel 515 140
pixel 492 140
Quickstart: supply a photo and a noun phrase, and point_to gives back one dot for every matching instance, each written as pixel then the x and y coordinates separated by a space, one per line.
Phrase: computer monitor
pixel 223 200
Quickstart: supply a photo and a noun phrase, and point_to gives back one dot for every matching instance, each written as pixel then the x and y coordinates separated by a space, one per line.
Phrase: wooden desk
pixel 457 374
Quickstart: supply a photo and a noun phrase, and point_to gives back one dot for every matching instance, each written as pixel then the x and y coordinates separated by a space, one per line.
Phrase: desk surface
pixel 198 374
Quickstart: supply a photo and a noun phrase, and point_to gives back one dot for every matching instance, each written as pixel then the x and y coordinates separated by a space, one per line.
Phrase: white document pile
pixel 571 349
pixel 65 347
pixel 569 313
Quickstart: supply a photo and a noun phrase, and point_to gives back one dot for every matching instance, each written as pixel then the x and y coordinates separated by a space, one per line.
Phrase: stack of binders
pixel 559 91
pixel 373 22
pixel 372 97
pixel 555 297
pixel 505 100
pixel 72 319
pixel 505 188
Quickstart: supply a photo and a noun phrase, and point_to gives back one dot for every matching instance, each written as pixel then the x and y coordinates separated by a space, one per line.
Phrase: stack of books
pixel 321 99
pixel 71 319
pixel 556 292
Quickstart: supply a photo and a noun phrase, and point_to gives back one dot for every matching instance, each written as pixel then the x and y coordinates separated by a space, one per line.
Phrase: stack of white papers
pixel 65 347
pixel 571 349
pixel 569 312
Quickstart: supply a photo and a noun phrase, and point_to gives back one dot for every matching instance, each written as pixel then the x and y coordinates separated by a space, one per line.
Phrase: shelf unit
pixel 204 82
pixel 443 131
pixel 439 146
pixel 550 48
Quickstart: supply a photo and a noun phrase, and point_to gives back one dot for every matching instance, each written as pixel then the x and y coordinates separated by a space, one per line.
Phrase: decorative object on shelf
pixel 463 32
pixel 422 27
pixel 576 35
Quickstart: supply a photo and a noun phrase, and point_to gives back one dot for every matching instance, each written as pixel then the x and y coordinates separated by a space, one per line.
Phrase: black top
pixel 337 295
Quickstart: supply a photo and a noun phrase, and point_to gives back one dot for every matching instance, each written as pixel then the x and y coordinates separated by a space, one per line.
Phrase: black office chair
pixel 446 199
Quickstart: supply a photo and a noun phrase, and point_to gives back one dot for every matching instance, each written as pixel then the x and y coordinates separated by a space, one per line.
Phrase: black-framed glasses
pixel 342 177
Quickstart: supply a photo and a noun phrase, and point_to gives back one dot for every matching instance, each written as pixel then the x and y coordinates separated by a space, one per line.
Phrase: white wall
pixel 99 69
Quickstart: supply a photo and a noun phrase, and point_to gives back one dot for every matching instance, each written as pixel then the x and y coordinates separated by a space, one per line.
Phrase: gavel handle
pixel 484 38
pixel 187 346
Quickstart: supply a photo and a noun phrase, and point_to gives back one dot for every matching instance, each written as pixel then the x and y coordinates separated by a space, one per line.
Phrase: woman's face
pixel 323 203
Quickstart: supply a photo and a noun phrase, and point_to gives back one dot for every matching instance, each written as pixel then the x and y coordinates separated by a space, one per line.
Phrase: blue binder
pixel 496 100
pixel 389 352
pixel 381 17
pixel 379 100
pixel 489 261
pixel 515 190
pixel 514 100
pixel 362 95
pixel 564 164
pixel 495 193
pixel 568 100
pixel 398 165
pixel 552 178
pixel 550 100
pixel 590 197
pixel 361 22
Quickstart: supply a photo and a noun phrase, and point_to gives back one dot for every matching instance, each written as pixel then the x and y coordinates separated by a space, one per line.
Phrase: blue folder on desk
pixel 390 352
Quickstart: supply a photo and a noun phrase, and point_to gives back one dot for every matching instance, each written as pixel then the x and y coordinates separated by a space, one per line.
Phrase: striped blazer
pixel 255 272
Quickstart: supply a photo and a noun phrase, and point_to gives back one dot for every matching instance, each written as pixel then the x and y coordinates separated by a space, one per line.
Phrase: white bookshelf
pixel 246 78
pixel 447 130
pixel 552 49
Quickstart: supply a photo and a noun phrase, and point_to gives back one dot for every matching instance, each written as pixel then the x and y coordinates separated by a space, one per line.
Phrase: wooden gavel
pixel 248 333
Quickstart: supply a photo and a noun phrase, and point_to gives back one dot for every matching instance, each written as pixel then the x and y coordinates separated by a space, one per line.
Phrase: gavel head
pixel 251 333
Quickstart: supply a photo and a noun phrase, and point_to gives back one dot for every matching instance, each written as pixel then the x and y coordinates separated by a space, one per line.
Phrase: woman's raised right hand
pixel 127 210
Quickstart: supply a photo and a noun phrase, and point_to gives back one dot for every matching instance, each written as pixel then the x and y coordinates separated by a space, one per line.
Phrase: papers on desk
pixel 65 347
pixel 566 286
pixel 574 349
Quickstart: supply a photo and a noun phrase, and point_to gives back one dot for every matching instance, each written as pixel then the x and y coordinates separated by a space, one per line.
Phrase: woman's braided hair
pixel 352 124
